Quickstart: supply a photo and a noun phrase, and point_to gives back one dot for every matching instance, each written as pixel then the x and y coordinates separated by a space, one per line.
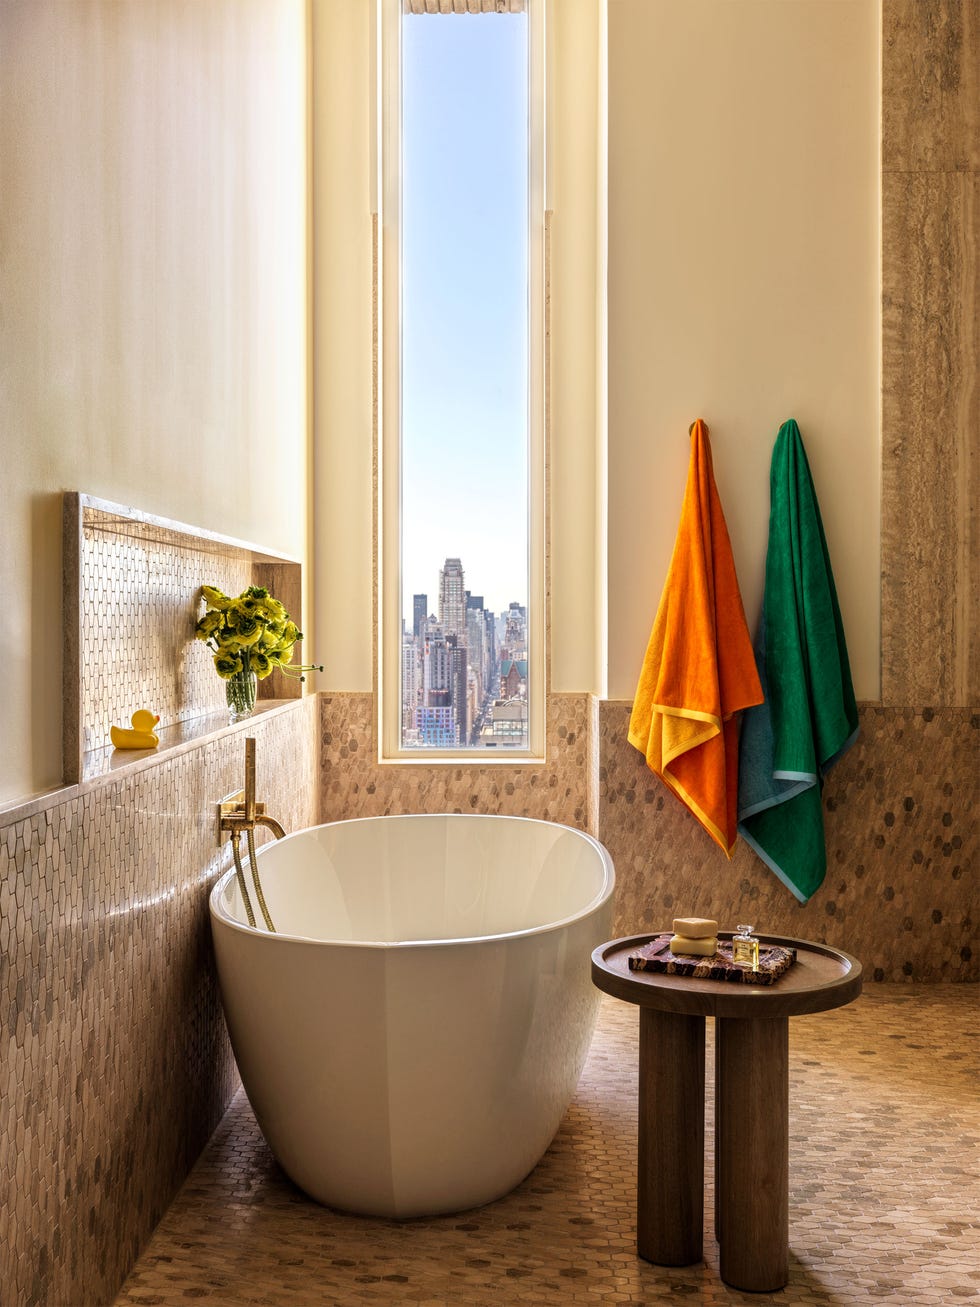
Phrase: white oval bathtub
pixel 411 1037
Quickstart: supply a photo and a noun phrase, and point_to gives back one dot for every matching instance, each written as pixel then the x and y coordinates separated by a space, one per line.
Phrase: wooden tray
pixel 774 960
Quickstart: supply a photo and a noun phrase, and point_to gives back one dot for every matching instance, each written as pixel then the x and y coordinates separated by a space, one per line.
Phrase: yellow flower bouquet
pixel 250 637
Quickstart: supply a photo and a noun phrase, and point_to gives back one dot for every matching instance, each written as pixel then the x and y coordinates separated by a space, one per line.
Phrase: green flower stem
pixel 240 692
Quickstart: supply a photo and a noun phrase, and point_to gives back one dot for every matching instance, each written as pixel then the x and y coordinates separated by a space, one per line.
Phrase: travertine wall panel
pixel 930 542
pixel 930 62
pixel 115 1063
pixel 901 831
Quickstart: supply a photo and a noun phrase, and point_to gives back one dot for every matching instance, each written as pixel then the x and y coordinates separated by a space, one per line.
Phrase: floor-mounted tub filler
pixel 412 1034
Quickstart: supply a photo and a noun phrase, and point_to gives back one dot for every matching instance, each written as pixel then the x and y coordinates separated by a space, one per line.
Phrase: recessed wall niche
pixel 131 600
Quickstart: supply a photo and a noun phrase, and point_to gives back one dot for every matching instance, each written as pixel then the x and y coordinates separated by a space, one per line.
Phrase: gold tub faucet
pixel 236 816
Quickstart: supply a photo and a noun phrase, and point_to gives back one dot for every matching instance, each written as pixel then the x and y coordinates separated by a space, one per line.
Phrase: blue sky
pixel 464 305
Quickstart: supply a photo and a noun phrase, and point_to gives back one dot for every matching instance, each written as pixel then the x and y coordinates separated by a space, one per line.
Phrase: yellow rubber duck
pixel 141 736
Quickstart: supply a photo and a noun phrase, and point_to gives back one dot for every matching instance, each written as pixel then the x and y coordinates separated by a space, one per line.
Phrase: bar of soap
pixel 695 927
pixel 700 948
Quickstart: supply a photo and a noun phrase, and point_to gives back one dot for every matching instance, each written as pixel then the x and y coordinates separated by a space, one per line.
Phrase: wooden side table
pixel 751 1103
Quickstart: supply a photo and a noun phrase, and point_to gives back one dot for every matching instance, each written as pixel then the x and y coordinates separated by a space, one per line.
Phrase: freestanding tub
pixel 411 1037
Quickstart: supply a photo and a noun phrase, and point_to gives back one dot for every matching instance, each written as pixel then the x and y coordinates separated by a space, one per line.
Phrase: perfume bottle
pixel 745 949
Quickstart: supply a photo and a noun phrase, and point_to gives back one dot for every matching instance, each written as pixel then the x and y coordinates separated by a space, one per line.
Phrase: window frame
pixel 389 615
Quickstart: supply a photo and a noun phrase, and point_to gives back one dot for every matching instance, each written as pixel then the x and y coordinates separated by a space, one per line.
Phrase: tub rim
pixel 603 896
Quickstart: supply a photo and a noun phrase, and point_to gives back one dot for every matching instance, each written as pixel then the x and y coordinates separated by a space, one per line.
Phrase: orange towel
pixel 699 668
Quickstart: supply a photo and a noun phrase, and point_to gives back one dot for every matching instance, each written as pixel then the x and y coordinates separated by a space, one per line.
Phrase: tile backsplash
pixel 900 829
pixel 354 784
pixel 141 600
pixel 132 598
pixel 899 814
pixel 116 1066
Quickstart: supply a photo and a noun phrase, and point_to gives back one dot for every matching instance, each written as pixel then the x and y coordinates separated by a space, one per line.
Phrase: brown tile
pixel 115 1062
pixel 901 833
pixel 354 784
pixel 883 1191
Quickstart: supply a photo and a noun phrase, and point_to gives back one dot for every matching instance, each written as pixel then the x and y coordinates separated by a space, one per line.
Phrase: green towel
pixel 809 717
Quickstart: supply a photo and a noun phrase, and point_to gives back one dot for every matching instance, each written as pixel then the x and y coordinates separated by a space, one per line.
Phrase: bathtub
pixel 411 1037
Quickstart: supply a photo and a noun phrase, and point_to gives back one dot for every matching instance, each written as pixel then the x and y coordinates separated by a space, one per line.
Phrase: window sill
pixel 470 758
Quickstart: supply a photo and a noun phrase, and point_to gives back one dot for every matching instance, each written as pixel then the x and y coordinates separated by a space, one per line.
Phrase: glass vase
pixel 240 691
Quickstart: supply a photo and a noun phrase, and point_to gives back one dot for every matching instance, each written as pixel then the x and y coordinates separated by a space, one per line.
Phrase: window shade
pixel 464 6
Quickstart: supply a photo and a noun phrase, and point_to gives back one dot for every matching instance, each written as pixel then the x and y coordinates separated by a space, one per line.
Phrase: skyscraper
pixel 452 598
pixel 475 649
pixel 458 681
pixel 411 681
pixel 452 677
pixel 436 671
pixel 444 686
pixel 515 634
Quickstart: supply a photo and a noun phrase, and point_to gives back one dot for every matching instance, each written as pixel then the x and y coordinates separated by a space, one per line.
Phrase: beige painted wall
pixel 153 341
pixel 744 288
pixel 153 158
pixel 577 200
pixel 344 199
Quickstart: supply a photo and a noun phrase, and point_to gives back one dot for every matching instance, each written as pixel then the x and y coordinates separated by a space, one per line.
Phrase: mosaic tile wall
pixel 900 815
pixel 139 589
pixel 115 1065
pixel 354 784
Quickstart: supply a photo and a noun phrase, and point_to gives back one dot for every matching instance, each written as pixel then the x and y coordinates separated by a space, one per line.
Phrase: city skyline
pixel 432 591
pixel 464 669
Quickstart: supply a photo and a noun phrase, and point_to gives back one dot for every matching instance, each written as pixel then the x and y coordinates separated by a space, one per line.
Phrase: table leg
pixel 670 1170
pixel 719 1035
pixel 752 1151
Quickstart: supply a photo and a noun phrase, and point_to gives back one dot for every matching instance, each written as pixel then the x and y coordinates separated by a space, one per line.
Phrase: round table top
pixel 821 978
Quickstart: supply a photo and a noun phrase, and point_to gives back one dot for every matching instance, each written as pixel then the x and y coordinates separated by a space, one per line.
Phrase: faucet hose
pixel 240 873
pixel 250 834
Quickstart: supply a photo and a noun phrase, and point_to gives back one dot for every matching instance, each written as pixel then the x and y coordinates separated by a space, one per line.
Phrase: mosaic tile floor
pixel 884 1191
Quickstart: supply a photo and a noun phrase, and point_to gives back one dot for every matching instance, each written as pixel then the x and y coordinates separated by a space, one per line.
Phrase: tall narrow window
pixel 462 401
